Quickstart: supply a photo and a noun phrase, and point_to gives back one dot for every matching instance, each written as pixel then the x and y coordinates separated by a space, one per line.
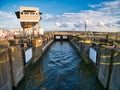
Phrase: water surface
pixel 60 68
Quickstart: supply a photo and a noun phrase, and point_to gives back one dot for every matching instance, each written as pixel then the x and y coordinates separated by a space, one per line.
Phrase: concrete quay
pixel 103 55
pixel 18 55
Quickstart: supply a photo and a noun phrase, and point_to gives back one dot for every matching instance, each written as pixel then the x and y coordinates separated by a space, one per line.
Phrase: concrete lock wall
pixel 45 41
pixel 12 67
pixel 104 65
pixel 5 72
pixel 85 48
pixel 37 47
pixel 16 63
pixel 115 75
pixel 82 49
pixel 108 63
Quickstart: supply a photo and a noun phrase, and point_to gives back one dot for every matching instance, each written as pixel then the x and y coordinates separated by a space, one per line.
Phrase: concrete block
pixel 5 71
pixel 37 42
pixel 84 47
pixel 104 66
pixel 36 53
pixel 115 75
pixel 16 62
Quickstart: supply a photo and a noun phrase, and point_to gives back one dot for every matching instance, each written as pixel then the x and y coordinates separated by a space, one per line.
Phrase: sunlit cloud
pixel 78 24
pixel 8 21
pixel 95 6
pixel 62 25
pixel 106 16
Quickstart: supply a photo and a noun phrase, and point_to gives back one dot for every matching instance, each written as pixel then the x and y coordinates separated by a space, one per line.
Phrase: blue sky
pixel 49 6
pixel 66 14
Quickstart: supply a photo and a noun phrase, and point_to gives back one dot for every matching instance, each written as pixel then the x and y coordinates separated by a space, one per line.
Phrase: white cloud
pixel 101 24
pixel 58 24
pixel 118 22
pixel 112 3
pixel 8 21
pixel 62 25
pixel 78 24
pixel 106 16
pixel 48 17
pixel 95 6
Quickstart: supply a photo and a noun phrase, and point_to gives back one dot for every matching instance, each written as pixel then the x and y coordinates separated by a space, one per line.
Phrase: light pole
pixel 85 28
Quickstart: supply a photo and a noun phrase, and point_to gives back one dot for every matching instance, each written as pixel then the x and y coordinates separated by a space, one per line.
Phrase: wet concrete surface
pixel 60 68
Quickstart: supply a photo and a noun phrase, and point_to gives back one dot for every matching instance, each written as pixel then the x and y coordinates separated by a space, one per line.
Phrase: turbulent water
pixel 60 68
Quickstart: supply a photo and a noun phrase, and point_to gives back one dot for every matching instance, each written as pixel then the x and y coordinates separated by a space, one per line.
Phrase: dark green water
pixel 60 68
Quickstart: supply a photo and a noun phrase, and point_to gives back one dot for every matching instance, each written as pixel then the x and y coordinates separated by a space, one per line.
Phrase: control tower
pixel 29 18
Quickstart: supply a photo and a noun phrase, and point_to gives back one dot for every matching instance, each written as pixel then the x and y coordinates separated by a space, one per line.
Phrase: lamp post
pixel 85 28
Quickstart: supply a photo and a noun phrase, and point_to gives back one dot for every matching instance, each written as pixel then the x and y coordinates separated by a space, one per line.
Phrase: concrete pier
pixel 107 59
pixel 16 64
pixel 5 70
pixel 13 53
pixel 105 65
pixel 37 47
pixel 114 79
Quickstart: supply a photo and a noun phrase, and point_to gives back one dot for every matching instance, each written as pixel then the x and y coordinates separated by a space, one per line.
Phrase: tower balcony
pixel 29 18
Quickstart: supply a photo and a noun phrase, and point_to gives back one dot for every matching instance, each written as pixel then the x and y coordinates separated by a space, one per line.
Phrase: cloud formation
pixel 8 21
pixel 62 25
pixel 106 16
pixel 78 24
pixel 95 6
